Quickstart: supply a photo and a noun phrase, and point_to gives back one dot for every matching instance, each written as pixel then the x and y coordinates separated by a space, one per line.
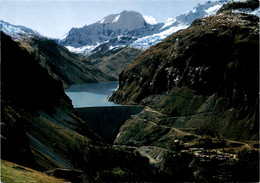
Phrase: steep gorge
pixel 40 128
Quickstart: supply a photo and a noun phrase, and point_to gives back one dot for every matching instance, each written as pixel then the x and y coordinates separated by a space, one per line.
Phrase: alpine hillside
pixel 200 87
pixel 112 62
pixel 205 77
pixel 69 67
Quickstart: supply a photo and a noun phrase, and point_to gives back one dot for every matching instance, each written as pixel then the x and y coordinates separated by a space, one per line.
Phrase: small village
pixel 206 155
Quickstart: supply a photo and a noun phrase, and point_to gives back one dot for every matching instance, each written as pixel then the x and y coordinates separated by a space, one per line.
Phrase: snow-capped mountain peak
pixel 127 23
pixel 124 18
pixel 136 30
pixel 212 10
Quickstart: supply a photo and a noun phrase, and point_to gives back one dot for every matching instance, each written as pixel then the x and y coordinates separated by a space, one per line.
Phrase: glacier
pixel 180 22
pixel 146 42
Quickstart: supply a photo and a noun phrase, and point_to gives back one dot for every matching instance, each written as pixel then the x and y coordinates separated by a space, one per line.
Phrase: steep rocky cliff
pixel 205 76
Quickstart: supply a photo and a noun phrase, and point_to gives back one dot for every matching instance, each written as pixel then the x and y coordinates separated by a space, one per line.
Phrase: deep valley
pixel 123 100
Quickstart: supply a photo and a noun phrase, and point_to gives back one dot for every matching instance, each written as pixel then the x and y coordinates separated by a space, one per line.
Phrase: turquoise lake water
pixel 92 94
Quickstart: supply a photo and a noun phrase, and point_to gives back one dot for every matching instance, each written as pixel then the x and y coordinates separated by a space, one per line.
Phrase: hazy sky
pixel 55 18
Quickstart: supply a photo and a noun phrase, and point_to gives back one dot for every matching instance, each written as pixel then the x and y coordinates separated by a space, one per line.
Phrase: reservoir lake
pixel 91 94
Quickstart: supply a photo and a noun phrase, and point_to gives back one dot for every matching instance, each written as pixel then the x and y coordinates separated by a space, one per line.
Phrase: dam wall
pixel 106 121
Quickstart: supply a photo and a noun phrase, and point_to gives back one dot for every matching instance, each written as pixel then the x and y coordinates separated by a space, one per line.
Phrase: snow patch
pixel 148 41
pixel 116 47
pixel 102 21
pixel 194 10
pixel 214 9
pixel 62 38
pixel 256 12
pixel 240 0
pixel 116 19
pixel 150 20
pixel 8 29
pixel 168 22
pixel 82 50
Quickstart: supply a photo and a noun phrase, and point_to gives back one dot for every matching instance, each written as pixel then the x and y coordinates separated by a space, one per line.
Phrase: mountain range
pixel 110 36
pixel 135 31
pixel 127 31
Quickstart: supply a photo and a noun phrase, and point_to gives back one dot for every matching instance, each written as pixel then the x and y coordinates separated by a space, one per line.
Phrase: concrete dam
pixel 106 121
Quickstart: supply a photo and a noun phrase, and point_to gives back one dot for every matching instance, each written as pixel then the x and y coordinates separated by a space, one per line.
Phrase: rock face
pixel 127 23
pixel 249 5
pixel 215 62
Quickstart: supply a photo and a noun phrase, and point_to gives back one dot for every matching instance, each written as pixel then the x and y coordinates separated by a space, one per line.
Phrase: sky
pixel 54 18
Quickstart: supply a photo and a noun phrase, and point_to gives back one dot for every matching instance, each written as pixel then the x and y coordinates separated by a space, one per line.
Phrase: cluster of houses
pixel 206 155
